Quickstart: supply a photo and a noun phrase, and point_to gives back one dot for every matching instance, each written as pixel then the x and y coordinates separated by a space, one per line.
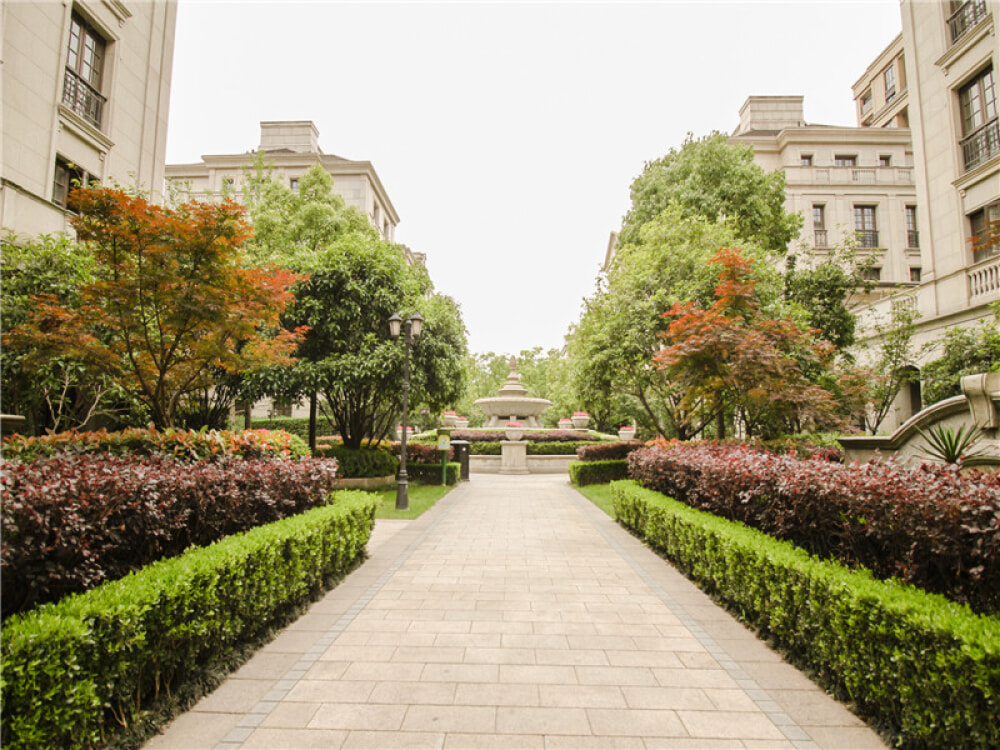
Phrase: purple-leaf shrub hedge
pixel 931 526
pixel 77 519
pixel 608 451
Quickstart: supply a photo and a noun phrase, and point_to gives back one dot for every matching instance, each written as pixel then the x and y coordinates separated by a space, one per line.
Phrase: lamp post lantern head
pixel 395 323
pixel 416 325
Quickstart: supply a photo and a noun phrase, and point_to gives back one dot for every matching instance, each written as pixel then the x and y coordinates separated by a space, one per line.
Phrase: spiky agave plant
pixel 949 445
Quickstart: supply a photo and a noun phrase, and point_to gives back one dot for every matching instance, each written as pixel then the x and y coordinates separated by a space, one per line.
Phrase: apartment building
pixel 847 183
pixel 86 92
pixel 292 148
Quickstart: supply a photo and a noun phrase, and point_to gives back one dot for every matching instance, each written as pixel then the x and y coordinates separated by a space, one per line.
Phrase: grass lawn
pixel 422 497
pixel 599 495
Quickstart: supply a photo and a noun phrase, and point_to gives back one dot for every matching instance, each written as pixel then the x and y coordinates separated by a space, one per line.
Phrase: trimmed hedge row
pixel 360 463
pixel 931 526
pixel 431 473
pixel 490 448
pixel 926 670
pixel 74 671
pixel 189 445
pixel 608 451
pixel 77 519
pixel 597 472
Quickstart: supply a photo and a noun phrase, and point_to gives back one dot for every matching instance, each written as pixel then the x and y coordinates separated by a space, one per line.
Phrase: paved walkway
pixel 515 614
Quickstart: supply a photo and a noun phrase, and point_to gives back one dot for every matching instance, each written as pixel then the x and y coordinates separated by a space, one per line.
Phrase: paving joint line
pixel 792 731
pixel 256 716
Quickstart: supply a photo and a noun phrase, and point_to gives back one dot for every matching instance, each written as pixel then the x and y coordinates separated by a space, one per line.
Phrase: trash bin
pixel 462 456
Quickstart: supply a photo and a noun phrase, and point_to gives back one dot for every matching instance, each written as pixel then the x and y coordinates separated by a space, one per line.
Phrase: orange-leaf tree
pixel 173 302
pixel 734 358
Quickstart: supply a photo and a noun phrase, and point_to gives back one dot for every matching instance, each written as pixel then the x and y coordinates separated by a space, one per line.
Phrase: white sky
pixel 507 134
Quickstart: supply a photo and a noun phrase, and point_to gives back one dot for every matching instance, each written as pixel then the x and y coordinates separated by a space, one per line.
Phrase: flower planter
pixel 448 419
pixel 461 422
pixel 626 433
pixel 581 420
pixel 514 431
pixel 565 423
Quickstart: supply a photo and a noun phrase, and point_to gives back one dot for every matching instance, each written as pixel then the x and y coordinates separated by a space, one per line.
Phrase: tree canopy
pixel 716 179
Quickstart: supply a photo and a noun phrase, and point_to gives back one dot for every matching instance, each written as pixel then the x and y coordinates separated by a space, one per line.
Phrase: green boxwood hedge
pixel 361 463
pixel 925 670
pixel 597 472
pixel 73 671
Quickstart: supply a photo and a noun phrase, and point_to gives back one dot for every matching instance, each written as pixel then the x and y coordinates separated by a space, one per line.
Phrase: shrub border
pixel 75 671
pixel 598 472
pixel 925 670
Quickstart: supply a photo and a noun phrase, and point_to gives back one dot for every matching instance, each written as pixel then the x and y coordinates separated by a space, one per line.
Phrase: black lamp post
pixel 411 333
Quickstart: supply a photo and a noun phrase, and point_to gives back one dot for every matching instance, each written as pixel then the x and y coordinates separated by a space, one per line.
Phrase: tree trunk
pixel 312 422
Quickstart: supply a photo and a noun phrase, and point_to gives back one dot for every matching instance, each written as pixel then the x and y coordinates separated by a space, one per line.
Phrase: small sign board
pixel 444 441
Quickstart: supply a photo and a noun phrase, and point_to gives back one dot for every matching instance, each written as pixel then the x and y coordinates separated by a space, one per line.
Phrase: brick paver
pixel 515 615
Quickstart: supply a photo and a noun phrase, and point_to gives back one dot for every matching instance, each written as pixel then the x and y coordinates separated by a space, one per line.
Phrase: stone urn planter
pixel 448 419
pixel 399 432
pixel 514 431
pixel 626 432
pixel 461 422
pixel 565 423
pixel 580 420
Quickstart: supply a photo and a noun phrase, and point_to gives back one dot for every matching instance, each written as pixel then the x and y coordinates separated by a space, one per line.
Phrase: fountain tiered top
pixel 513 403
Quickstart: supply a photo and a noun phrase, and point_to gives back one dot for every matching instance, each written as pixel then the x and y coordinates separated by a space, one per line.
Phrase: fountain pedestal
pixel 513 457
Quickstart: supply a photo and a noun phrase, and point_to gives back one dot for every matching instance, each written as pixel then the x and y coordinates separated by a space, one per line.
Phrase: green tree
pixel 612 346
pixel 714 178
pixel 965 351
pixel 347 357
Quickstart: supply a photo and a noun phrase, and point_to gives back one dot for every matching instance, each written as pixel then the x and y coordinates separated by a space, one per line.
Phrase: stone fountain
pixel 513 403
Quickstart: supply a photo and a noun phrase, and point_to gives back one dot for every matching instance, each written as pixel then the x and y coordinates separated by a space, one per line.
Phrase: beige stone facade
pixel 291 147
pixel 86 91
pixel 846 183
pixel 950 50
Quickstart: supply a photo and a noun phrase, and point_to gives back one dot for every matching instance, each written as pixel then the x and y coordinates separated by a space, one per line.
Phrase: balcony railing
pixel 984 281
pixel 863 175
pixel 966 18
pixel 819 237
pixel 912 238
pixel 867 238
pixel 981 145
pixel 83 98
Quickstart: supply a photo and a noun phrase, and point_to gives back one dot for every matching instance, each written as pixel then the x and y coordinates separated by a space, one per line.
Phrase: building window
pixel 84 68
pixel 915 274
pixel 872 273
pixel 885 160
pixel 865 228
pixel 984 226
pixel 806 160
pixel 980 134
pixel 293 183
pixel 228 185
pixel 965 16
pixel 280 409
pixel 819 224
pixel 912 235
pixel 889 78
pixel 845 160
pixel 866 102
pixel 68 176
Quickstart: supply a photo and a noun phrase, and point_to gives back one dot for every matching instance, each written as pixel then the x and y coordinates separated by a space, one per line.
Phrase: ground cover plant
pixel 923 670
pixel 74 672
pixel 607 451
pixel 73 520
pixel 931 526
pixel 422 498
pixel 597 472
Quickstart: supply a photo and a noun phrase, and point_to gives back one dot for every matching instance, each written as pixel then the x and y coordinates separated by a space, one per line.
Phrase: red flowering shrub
pixel 187 444
pixel 607 451
pixel 930 526
pixel 74 520
pixel 422 452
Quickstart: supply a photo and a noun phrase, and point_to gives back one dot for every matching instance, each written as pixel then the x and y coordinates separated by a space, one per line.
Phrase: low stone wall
pixel 536 464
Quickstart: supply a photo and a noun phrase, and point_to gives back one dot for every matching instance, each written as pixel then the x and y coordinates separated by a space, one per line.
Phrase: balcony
pixel 966 18
pixel 867 238
pixel 82 98
pixel 819 238
pixel 982 145
pixel 846 176
pixel 912 239
pixel 984 281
